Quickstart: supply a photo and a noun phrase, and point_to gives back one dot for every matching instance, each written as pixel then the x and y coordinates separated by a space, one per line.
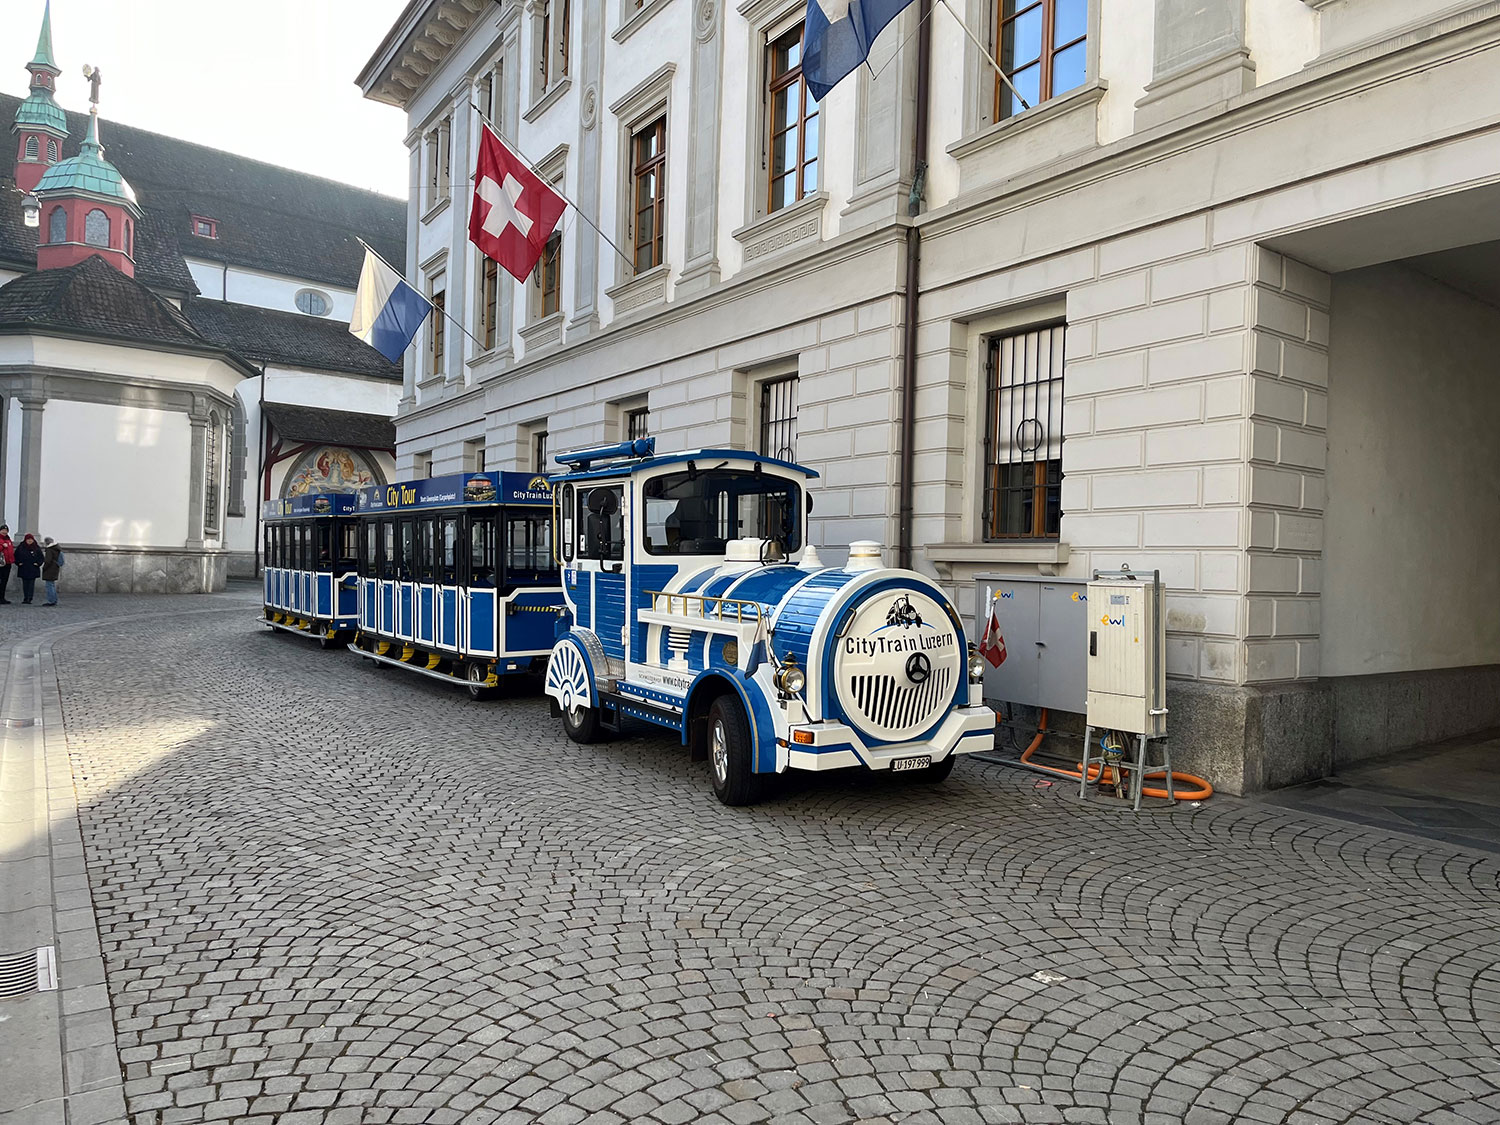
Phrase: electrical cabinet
pixel 1127 683
pixel 1044 622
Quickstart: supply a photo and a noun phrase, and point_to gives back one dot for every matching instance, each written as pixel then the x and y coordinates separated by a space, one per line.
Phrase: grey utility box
pixel 1045 625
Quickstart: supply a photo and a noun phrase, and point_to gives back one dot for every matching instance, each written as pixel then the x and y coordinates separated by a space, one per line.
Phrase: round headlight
pixel 976 667
pixel 791 680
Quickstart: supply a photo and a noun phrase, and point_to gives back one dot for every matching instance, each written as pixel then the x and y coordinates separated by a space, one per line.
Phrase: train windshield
pixel 696 512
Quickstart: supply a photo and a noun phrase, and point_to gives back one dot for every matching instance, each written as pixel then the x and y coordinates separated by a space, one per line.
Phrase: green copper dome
pixel 39 111
pixel 88 173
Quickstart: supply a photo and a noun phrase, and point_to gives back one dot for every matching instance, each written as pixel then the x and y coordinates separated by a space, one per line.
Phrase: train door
pixel 406 578
pixel 346 570
pixel 424 633
pixel 390 575
pixel 320 542
pixel 530 580
pixel 369 574
pixel 268 533
pixel 446 579
pixel 598 570
pixel 480 595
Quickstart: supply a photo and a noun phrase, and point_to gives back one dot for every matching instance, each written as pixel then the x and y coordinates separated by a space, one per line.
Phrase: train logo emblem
pixel 903 613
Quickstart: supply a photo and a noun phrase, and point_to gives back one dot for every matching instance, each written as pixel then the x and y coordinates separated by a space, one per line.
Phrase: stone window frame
pixel 1044 62
pixel 421 465
pixel 475 455
pixel 551 42
pixel 755 385
pixel 633 15
pixel 546 328
pixel 649 100
pixel 435 274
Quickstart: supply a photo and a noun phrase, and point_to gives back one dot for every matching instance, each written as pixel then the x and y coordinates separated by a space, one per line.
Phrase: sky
pixel 270 79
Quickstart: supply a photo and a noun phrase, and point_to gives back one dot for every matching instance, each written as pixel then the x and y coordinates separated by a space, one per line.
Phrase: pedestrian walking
pixel 28 565
pixel 7 558
pixel 52 564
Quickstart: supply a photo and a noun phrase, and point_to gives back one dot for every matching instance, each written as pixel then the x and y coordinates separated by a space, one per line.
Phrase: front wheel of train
pixel 476 674
pixel 731 754
pixel 581 723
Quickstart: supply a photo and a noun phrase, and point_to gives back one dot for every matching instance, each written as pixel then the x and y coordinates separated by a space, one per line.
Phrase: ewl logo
pixel 1108 620
pixel 1007 593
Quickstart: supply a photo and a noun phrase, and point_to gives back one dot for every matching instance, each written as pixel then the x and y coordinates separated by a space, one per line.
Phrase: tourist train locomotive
pixel 679 591
pixel 688 612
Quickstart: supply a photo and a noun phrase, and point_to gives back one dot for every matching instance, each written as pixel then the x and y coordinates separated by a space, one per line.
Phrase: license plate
pixel 921 762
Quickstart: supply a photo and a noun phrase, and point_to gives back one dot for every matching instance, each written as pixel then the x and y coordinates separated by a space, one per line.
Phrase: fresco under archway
pixel 330 468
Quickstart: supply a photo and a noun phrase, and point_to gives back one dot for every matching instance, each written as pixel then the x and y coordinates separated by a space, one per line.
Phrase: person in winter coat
pixel 7 558
pixel 52 562
pixel 29 565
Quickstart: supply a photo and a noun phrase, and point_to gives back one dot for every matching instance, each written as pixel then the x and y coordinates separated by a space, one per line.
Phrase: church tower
pixel 87 207
pixel 40 125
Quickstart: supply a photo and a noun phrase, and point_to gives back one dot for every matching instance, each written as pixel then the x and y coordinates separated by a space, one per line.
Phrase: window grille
pixel 212 476
pixel 778 418
pixel 539 451
pixel 637 423
pixel 1023 435
pixel 1042 45
pixel 794 124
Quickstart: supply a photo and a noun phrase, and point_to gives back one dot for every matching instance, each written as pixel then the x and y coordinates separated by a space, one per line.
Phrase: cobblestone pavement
pixel 332 893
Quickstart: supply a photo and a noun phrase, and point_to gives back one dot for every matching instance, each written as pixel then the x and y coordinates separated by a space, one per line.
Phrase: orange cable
pixel 1203 791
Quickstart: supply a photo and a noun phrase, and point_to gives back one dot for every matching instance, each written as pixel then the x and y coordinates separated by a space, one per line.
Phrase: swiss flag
pixel 514 212
pixel 992 644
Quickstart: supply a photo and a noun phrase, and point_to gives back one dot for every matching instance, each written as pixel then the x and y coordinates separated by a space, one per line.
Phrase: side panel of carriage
pixel 309 556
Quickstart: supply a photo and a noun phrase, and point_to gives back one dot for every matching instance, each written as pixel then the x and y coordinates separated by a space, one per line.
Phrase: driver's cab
pixel 635 524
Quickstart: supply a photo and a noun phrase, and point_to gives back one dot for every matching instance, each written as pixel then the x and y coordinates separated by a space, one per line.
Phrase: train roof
pixel 457 490
pixel 634 456
pixel 309 505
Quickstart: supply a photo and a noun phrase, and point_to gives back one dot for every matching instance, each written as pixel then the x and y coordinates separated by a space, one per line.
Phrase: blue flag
pixel 387 311
pixel 837 36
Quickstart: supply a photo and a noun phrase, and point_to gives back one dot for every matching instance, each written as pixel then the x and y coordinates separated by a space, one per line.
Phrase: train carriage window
pixel 368 559
pixel 348 544
pixel 265 550
pixel 601 533
pixel 448 545
pixel 390 562
pixel 565 509
pixel 426 554
pixel 322 536
pixel 528 547
pixel 407 565
pixel 697 512
pixel 482 551
pixel 299 547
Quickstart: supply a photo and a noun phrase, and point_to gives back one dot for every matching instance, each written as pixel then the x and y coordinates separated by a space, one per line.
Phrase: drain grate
pixel 31 970
pixel 20 722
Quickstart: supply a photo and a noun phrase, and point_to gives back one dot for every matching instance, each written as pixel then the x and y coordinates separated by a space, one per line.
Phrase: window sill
pixel 1056 128
pixel 641 291
pixel 548 99
pixel 437 208
pixel 801 224
pixel 632 21
pixel 544 332
pixel 1035 552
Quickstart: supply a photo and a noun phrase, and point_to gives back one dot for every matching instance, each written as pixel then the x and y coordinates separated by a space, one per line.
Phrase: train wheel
pixel 581 723
pixel 730 753
pixel 327 637
pixel 476 673
pixel 937 772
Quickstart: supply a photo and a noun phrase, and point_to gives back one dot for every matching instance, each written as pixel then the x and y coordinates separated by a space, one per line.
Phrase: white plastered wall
pixel 86 498
pixel 266 290
pixel 1413 521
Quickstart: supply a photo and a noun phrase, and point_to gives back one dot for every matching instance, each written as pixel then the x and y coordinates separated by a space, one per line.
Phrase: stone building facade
pixel 1220 304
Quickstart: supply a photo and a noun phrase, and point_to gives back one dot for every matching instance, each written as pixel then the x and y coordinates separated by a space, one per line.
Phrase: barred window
pixel 212 476
pixel 539 451
pixel 637 423
pixel 778 418
pixel 1023 435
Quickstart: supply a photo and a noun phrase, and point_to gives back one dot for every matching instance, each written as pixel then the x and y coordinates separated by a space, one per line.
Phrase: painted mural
pixel 330 468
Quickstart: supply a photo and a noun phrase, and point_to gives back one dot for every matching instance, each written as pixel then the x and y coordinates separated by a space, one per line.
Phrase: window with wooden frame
pixel 778 418
pixel 1042 45
pixel 648 177
pixel 549 277
pixel 553 43
pixel 792 169
pixel 439 329
pixel 1024 434
pixel 489 300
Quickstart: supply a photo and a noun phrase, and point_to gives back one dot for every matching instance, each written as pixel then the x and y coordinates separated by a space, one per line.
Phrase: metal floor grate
pixel 31 970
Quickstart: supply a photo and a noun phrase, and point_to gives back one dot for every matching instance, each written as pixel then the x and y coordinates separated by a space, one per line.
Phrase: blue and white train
pixel 688 612
pixel 310 557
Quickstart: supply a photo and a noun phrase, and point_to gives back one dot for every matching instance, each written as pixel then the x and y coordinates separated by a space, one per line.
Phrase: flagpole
pixel 987 56
pixel 496 130
pixel 402 274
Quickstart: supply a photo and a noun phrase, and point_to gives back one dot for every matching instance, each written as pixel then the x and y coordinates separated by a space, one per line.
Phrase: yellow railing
pixel 723 608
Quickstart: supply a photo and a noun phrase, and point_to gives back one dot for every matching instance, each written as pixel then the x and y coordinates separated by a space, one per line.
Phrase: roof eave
pixel 397 70
pixel 207 351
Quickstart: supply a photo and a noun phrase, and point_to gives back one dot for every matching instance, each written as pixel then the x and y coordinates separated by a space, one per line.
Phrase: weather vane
pixel 95 76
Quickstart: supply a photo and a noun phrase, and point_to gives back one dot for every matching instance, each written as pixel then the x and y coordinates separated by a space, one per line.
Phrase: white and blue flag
pixel 837 36
pixel 387 311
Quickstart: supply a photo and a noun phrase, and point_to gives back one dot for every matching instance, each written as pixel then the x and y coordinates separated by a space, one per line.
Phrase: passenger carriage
pixel 457 577
pixel 697 606
pixel 309 571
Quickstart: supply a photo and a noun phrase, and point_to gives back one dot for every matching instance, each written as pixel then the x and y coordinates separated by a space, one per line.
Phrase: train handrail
pixel 741 609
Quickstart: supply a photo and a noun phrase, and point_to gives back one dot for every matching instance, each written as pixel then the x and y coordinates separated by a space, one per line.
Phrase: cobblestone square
pixel 327 892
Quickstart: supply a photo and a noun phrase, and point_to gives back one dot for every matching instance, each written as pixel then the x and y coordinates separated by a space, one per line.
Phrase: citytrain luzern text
pixel 676 589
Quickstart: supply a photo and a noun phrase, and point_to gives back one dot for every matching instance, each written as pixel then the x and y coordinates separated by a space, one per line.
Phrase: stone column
pixel 705 82
pixel 460 168
pixel 590 63
pixel 506 121
pixel 411 358
pixel 884 109
pixel 197 456
pixel 31 404
pixel 1201 59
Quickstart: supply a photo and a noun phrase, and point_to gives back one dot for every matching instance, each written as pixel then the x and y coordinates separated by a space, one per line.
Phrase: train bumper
pixel 836 745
